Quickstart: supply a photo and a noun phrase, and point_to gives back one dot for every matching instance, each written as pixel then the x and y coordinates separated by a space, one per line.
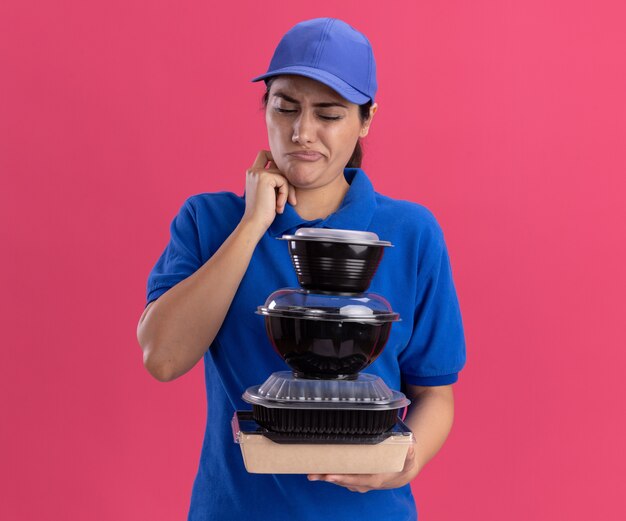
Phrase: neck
pixel 319 203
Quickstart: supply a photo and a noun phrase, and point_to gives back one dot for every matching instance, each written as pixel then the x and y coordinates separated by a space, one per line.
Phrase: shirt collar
pixel 354 213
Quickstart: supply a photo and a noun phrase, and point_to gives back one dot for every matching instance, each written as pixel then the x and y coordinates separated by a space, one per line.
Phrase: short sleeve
pixel 181 257
pixel 436 350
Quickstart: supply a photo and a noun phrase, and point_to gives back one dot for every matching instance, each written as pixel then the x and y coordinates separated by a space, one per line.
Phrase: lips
pixel 308 155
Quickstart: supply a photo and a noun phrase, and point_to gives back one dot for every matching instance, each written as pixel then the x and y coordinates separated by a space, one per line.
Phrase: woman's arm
pixel 175 330
pixel 430 418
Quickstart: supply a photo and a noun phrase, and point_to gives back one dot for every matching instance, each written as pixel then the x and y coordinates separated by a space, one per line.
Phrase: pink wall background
pixel 507 119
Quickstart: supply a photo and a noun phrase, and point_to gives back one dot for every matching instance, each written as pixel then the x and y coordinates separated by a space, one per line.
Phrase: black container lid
pixel 300 303
pixel 284 391
pixel 336 235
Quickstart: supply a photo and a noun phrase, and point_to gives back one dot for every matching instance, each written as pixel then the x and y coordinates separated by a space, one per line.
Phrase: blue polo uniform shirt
pixel 425 348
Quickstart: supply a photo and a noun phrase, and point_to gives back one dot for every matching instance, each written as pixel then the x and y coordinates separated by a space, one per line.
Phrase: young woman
pixel 223 260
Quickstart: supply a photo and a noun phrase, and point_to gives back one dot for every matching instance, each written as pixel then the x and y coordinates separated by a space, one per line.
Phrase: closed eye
pixel 321 116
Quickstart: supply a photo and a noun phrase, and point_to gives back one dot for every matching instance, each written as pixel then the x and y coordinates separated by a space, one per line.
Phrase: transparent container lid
pixel 337 235
pixel 283 390
pixel 301 303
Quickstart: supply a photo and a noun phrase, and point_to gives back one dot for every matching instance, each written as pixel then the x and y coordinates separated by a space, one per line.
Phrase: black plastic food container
pixel 333 260
pixel 287 404
pixel 326 348
pixel 327 336
pixel 321 421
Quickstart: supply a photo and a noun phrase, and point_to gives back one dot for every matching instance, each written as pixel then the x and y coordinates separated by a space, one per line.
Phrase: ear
pixel 366 126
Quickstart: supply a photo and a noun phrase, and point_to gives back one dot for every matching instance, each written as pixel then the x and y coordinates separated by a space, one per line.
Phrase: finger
pixel 263 164
pixel 270 168
pixel 353 480
pixel 353 488
pixel 292 196
pixel 410 461
pixel 283 192
pixel 362 490
pixel 262 158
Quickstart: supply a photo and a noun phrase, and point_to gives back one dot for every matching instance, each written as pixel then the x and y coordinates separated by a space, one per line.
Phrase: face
pixel 312 130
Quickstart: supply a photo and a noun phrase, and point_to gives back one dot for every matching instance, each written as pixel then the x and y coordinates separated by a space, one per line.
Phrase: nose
pixel 303 129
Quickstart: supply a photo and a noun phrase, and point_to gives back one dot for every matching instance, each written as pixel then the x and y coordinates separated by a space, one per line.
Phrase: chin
pixel 303 176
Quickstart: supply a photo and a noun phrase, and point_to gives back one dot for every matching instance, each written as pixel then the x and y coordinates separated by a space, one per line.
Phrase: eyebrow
pixel 321 105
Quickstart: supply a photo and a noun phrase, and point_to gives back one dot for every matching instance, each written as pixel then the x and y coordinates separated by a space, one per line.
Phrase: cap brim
pixel 337 84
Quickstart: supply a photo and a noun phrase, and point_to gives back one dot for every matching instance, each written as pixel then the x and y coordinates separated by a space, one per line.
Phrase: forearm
pixel 430 417
pixel 176 330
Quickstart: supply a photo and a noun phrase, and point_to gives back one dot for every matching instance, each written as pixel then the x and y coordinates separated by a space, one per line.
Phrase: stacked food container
pixel 325 416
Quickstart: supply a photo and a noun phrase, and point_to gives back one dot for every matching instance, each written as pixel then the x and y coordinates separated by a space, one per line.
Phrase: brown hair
pixel 364 114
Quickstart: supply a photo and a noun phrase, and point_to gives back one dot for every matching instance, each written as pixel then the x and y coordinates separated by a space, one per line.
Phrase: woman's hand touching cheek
pixel 267 191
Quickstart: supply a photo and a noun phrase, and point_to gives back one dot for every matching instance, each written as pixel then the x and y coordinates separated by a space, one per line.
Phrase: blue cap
pixel 331 52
